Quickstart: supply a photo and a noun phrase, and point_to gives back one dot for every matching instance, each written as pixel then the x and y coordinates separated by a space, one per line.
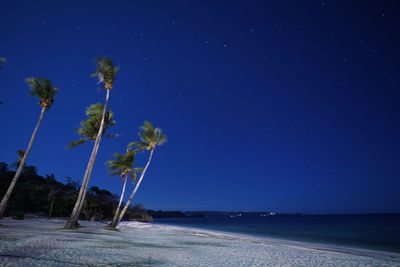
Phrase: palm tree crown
pixel 122 165
pixel 90 127
pixel 106 72
pixel 43 89
pixel 150 138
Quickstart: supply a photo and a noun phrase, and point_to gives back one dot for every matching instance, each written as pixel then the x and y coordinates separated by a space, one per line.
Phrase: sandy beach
pixel 37 242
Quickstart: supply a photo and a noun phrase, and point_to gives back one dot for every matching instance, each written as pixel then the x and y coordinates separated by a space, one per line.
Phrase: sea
pixel 368 231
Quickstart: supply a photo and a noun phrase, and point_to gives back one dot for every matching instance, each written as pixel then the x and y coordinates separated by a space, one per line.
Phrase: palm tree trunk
pixel 88 178
pixel 120 201
pixel 51 207
pixel 85 182
pixel 4 202
pixel 134 191
pixel 96 146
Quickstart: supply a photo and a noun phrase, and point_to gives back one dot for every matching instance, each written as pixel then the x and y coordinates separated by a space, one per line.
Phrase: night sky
pixel 287 106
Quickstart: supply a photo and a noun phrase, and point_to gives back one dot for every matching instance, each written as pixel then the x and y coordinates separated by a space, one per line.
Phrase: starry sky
pixel 287 106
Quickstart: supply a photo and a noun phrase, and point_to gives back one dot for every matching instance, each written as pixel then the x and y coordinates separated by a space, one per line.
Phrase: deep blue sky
pixel 289 106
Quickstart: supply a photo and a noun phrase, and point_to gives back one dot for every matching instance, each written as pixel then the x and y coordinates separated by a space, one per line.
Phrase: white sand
pixel 37 242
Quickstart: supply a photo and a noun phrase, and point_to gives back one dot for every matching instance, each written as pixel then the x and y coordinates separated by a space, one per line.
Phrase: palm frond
pixel 77 143
pixel 148 133
pixel 133 178
pixel 117 155
pixel 134 173
pixel 149 137
pixel 145 138
pixel 43 89
pixel 122 164
pixel 147 126
pixel 91 126
pixel 138 169
pixel 161 138
pixel 106 71
pixel 112 135
pixel 138 145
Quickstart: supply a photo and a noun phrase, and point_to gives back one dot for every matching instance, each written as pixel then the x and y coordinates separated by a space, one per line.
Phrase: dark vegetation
pixel 45 196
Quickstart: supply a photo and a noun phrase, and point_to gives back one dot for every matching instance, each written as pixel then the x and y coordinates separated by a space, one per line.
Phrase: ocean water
pixel 376 232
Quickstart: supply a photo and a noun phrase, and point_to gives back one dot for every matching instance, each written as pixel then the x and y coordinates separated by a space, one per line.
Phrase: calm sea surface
pixel 378 232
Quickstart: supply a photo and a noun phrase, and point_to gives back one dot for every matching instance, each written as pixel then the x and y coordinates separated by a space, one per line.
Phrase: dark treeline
pixel 45 196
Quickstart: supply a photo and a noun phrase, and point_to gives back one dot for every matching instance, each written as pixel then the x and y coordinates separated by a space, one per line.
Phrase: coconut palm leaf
pixel 91 126
pixel 134 173
pixel 43 89
pixel 122 164
pixel 138 146
pixel 112 135
pixel 77 143
pixel 161 138
pixel 106 71
pixel 150 138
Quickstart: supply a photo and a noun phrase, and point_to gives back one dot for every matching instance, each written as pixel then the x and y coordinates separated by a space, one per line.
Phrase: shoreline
pixel 37 242
pixel 284 242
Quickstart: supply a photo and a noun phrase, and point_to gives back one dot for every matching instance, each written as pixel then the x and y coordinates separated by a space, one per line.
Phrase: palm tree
pixel 122 166
pixel 43 89
pixel 150 139
pixel 89 130
pixel 106 73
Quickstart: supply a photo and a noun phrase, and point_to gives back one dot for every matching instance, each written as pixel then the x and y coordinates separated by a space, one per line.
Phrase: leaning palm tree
pixel 43 89
pixel 122 166
pixel 89 129
pixel 150 139
pixel 106 72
